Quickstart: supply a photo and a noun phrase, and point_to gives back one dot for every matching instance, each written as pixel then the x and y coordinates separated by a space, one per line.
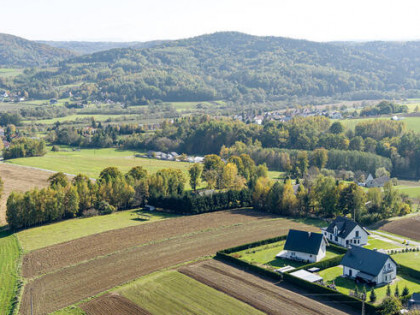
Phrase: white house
pixel 369 266
pixel 346 232
pixel 304 246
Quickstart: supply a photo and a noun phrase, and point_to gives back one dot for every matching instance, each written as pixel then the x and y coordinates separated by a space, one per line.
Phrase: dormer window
pixel 335 230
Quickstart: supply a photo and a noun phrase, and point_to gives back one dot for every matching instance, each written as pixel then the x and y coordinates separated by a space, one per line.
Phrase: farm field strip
pixel 9 261
pixel 70 285
pixel 112 304
pixel 70 253
pixel 408 227
pixel 261 294
pixel 171 290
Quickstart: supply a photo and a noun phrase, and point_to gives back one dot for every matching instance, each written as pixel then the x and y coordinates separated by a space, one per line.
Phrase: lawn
pixel 379 244
pixel 410 259
pixel 412 123
pixel 9 260
pixel 47 235
pixel 266 255
pixel 411 191
pixel 92 161
pixel 344 285
pixel 10 72
pixel 171 290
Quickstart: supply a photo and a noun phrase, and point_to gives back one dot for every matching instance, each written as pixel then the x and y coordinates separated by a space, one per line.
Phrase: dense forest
pixel 231 66
pixel 16 51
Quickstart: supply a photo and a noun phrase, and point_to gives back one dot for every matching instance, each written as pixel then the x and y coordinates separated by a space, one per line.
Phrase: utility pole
pixel 363 304
pixel 30 292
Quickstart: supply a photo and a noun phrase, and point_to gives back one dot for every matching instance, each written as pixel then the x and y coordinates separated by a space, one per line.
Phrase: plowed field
pixel 408 227
pixel 261 294
pixel 126 256
pixel 112 304
pixel 19 178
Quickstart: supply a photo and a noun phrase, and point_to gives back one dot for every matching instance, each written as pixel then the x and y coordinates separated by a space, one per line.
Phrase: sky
pixel 131 20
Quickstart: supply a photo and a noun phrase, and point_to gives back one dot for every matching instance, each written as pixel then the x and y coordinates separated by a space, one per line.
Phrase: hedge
pixel 333 294
pixel 254 244
pixel 192 203
pixel 409 271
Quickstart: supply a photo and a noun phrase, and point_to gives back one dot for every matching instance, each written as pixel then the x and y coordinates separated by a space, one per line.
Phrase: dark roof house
pixel 344 226
pixel 302 241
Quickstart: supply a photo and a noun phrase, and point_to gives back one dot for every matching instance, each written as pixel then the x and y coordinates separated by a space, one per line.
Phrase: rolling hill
pixel 20 52
pixel 238 67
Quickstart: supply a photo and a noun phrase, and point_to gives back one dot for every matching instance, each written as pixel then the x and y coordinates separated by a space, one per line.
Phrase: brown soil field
pixel 112 304
pixel 19 178
pixel 257 292
pixel 408 227
pixel 58 256
pixel 74 283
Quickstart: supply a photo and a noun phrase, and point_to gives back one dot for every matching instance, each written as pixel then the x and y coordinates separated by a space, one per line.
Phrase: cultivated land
pixel 170 290
pixel 112 304
pixel 17 178
pixel 64 231
pixel 259 293
pixel 9 260
pixel 69 272
pixel 408 227
pixel 344 285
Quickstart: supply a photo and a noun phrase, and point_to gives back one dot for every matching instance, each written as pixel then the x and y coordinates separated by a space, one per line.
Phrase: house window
pixel 357 233
pixel 310 256
pixel 330 236
pixel 336 239
pixel 350 272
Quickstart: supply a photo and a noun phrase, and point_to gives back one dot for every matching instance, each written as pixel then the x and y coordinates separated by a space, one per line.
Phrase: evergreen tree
pixel 388 290
pixel 373 296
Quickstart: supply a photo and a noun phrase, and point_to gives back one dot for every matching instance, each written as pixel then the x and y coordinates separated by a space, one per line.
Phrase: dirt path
pixel 259 293
pixel 72 284
pixel 112 304
pixel 19 178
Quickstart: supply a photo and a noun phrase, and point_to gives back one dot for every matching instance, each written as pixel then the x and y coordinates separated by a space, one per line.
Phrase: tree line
pixel 114 190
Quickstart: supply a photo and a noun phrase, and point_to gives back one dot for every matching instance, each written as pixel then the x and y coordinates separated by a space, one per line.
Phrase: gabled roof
pixel 302 241
pixel 344 226
pixel 365 260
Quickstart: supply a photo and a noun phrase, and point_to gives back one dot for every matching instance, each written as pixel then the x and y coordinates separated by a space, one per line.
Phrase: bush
pixel 105 208
pixel 90 213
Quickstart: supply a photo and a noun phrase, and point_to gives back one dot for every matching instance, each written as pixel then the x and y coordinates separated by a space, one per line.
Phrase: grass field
pixel 344 285
pixel 412 123
pixel 379 244
pixel 170 290
pixel 76 117
pixel 266 255
pixel 410 259
pixel 10 72
pixel 9 260
pixel 92 161
pixel 43 236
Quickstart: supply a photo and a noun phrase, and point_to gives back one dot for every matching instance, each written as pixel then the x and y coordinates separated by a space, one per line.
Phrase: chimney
pixel 309 234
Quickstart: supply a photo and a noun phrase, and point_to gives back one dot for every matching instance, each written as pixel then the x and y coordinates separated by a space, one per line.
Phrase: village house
pixel 304 246
pixel 346 232
pixel 369 266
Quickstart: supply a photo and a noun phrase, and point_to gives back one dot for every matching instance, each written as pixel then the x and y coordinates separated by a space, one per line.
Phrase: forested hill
pixel 17 51
pixel 82 47
pixel 238 67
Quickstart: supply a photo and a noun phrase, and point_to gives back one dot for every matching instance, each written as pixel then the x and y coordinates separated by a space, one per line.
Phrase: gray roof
pixel 302 241
pixel 365 260
pixel 344 226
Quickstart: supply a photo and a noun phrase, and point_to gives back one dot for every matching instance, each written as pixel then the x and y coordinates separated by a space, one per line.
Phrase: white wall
pixel 390 275
pixel 300 256
pixel 342 242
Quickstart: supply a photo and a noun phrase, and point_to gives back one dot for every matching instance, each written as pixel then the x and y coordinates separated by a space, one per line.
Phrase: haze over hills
pixel 231 66
pixel 17 51
pixel 83 47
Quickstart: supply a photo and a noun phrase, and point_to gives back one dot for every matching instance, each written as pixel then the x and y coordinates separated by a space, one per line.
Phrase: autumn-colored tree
pixel 195 175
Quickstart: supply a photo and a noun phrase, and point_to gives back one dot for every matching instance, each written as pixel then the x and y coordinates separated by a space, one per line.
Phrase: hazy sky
pixel 130 20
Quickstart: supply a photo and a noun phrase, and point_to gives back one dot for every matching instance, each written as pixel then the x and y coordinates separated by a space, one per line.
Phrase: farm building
pixel 369 266
pixel 304 246
pixel 346 232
